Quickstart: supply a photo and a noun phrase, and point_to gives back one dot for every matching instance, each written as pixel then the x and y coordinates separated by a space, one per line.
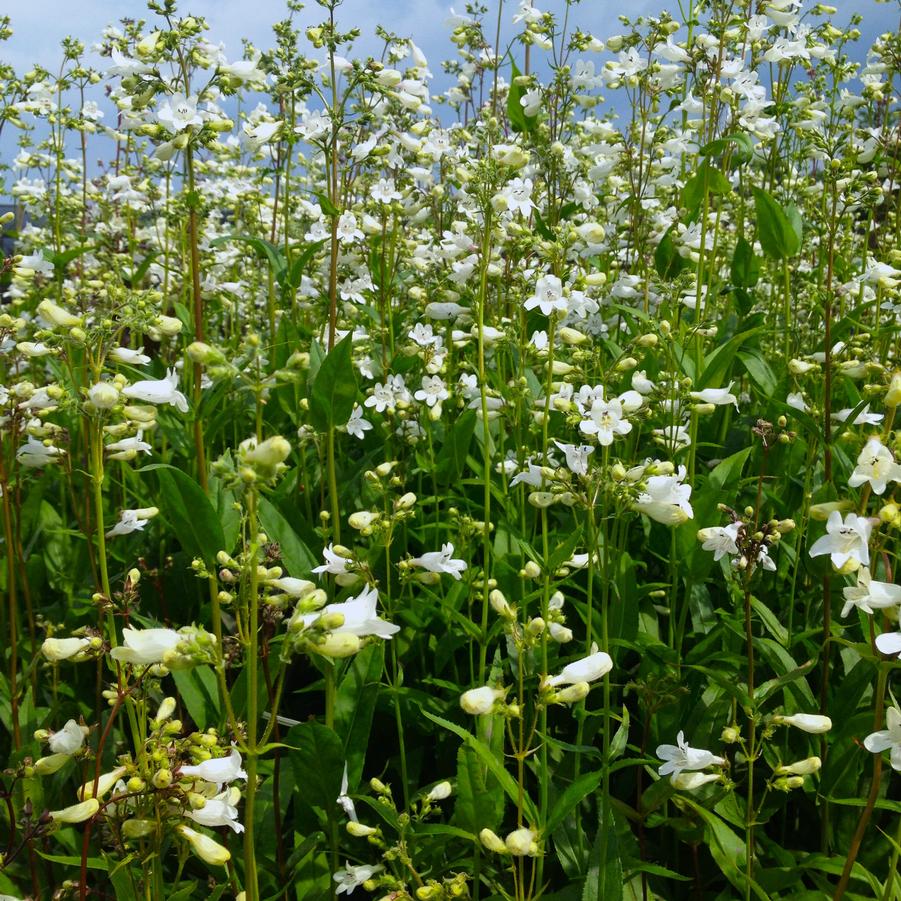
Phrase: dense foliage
pixel 484 494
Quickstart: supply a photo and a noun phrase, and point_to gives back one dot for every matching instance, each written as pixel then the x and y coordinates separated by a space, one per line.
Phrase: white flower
pixel 159 391
pixel 356 425
pixel 605 420
pixel 864 417
pixel 589 669
pixel 797 401
pixel 441 561
pixel 889 738
pixel 348 232
pixel 876 465
pixel 518 194
pixel 129 521
pixel 480 701
pixel 344 801
pixel 351 877
pixel 691 781
pixel 717 396
pixel 295 588
pixel 68 740
pixel 806 722
pixel 145 646
pixel 127 355
pixel 666 499
pixel 681 756
pixel 845 541
pixel 217 770
pixel 576 456
pixel 869 595
pixel 433 390
pixel 56 649
pixel 136 443
pixel 548 296
pixel 720 540
pixel 179 112
pixel 34 453
pixel 217 812
pixel 889 643
pixel 360 614
pixel 334 563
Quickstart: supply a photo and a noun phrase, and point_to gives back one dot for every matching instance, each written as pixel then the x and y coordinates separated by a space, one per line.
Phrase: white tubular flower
pixel 56 649
pixel 68 740
pixel 441 561
pixel 208 850
pixel 720 540
pixel 847 543
pixel 522 843
pixel 716 396
pixel 548 296
pixel 870 595
pixel 351 877
pixel 217 812
pixel 77 813
pixel 889 643
pixel 218 770
pixel 104 784
pixel 158 391
pixel 666 499
pixel 691 781
pixel 681 756
pixel 144 647
pixel 589 669
pixel 813 723
pixel 875 465
pixel 480 701
pixel 888 739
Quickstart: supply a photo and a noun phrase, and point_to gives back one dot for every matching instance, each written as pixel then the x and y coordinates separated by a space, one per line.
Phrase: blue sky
pixel 40 25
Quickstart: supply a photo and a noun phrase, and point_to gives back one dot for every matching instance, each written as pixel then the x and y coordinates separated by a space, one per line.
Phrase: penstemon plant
pixel 465 484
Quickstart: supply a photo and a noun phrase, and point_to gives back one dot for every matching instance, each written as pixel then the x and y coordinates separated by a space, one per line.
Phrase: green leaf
pixel 355 705
pixel 452 456
pixel 760 371
pixel 519 121
pixel 264 249
pixel 667 261
pixel 707 180
pixel 778 236
pixel 297 558
pixel 604 881
pixel 575 793
pixel 745 269
pixel 291 277
pixel 727 849
pixel 318 761
pixel 197 688
pixel 480 797
pixel 491 761
pixel 717 363
pixel 327 206
pixel 189 511
pixel 334 388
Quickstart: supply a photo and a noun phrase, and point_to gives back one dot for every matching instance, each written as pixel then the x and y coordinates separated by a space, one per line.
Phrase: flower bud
pixel 132 829
pixel 50 764
pixel 204 847
pixel 57 316
pixel 358 830
pixel 480 701
pixel 801 768
pixel 492 841
pixel 441 791
pixel 893 395
pixel 521 843
pixel 77 813
pixel 339 645
pixel 806 722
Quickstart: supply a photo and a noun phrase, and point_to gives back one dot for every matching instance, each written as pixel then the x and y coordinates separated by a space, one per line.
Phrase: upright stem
pixel 197 309
pixel 251 886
